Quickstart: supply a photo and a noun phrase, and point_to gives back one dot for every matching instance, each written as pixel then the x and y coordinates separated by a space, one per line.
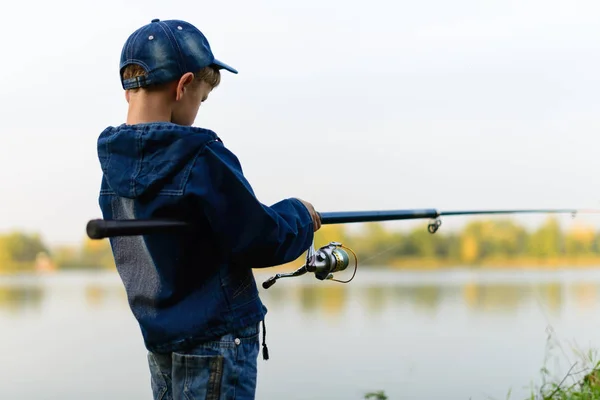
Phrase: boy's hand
pixel 315 216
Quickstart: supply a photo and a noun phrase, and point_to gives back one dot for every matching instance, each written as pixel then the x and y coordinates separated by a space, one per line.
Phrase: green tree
pixel 375 243
pixel 19 251
pixel 66 257
pixel 22 247
pixel 547 241
pixel 422 242
pixel 92 254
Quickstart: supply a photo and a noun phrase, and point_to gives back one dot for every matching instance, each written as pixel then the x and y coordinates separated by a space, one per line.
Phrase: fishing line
pixel 393 247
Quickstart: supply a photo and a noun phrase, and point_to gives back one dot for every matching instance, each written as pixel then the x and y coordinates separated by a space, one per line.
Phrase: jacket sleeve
pixel 249 232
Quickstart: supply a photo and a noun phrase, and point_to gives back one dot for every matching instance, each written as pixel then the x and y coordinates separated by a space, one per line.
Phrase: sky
pixel 349 105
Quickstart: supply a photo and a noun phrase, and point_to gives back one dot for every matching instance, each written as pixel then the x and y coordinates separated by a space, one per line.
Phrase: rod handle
pixel 269 282
pixel 101 229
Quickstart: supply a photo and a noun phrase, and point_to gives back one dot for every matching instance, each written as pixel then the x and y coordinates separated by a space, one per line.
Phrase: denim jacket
pixel 187 288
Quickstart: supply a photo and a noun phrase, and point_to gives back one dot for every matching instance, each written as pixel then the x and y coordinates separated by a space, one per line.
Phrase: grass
pixel 581 381
pixel 380 395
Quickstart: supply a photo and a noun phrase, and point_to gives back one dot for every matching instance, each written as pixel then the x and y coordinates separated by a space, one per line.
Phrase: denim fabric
pixel 223 369
pixel 167 50
pixel 196 286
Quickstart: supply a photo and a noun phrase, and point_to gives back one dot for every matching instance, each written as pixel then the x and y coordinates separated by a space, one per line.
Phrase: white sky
pixel 462 104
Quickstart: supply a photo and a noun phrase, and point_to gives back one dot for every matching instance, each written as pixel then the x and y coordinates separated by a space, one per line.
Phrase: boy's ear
pixel 183 84
pixel 127 95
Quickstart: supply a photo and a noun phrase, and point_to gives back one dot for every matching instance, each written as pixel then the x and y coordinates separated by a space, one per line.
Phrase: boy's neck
pixel 146 108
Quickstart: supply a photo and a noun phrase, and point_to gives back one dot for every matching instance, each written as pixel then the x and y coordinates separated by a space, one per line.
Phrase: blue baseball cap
pixel 167 50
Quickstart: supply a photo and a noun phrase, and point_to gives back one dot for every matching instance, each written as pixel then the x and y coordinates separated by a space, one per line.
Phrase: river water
pixel 460 334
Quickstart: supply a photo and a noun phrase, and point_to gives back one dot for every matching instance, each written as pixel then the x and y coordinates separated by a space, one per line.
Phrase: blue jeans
pixel 223 369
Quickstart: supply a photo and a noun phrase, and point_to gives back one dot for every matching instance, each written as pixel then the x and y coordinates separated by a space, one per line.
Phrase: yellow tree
pixel 6 263
pixel 470 241
pixel 97 254
pixel 469 249
pixel 580 241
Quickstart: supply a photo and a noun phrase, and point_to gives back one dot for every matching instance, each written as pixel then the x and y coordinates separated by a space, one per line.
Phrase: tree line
pixel 500 242
pixel 25 252
pixel 479 243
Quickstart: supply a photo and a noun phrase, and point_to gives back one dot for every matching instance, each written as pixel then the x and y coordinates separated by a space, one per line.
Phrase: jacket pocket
pixel 198 377
pixel 243 288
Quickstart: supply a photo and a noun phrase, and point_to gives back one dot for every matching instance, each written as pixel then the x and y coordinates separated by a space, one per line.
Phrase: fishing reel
pixel 323 263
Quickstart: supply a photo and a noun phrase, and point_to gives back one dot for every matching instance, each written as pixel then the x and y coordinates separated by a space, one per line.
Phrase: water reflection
pixel 98 296
pixel 17 299
pixel 330 300
pixel 496 298
pixel 552 296
pixel 376 299
pixel 309 298
pixel 585 295
pixel 426 298
pixel 335 299
pixel 486 298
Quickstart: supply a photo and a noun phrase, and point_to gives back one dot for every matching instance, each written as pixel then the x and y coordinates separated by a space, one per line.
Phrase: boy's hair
pixel 210 75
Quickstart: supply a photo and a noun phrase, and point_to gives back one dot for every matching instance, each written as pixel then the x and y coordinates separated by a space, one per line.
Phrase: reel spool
pixel 326 261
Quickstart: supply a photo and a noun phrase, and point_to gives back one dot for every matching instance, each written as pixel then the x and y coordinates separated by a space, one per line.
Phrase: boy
pixel 193 295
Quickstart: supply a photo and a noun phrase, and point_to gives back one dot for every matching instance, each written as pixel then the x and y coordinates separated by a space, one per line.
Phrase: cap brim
pixel 222 65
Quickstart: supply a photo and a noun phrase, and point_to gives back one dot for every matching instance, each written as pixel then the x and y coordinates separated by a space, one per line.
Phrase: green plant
pixel 379 395
pixel 581 381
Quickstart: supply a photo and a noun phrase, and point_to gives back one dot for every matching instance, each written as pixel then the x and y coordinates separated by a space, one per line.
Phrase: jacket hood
pixel 138 159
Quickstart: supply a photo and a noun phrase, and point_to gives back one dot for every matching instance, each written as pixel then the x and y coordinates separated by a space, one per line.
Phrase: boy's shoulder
pixel 139 158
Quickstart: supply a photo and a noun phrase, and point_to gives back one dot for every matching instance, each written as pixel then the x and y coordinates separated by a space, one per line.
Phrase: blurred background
pixel 453 105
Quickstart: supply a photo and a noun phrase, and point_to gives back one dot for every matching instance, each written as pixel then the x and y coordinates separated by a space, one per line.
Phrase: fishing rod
pixel 328 259
pixel 101 229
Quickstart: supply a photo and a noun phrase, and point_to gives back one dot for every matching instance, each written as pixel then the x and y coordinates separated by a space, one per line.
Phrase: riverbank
pixel 501 263
pixel 404 265
pixel 488 244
